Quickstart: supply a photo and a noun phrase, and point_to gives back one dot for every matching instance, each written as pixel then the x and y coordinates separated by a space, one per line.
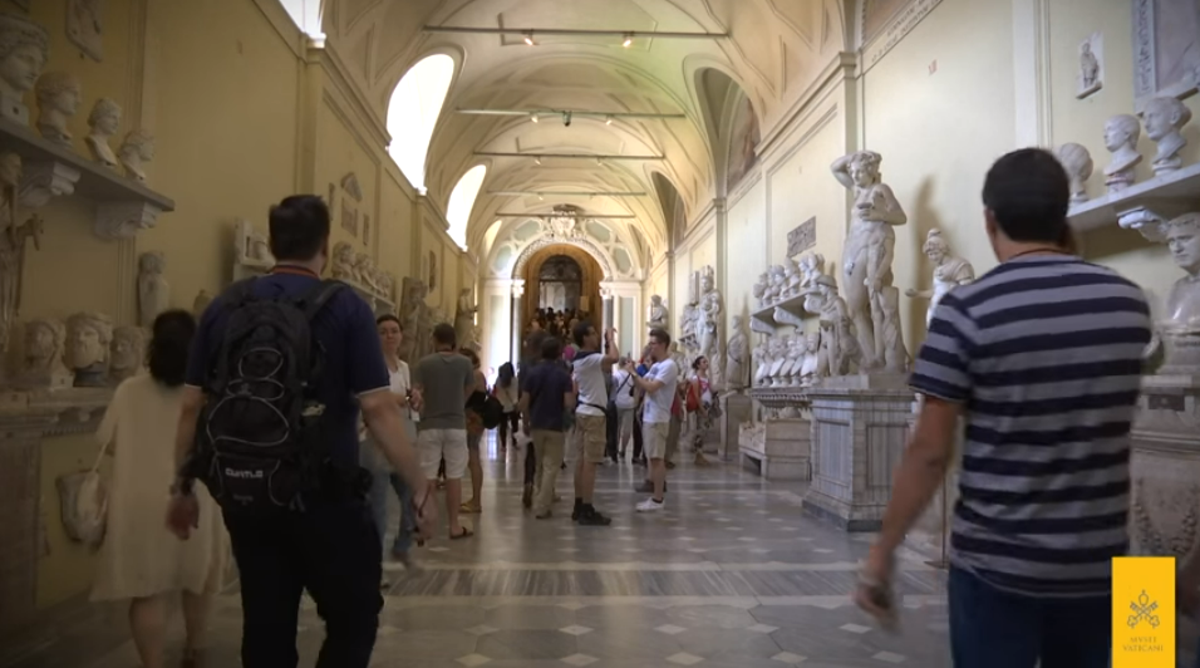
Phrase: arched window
pixel 462 200
pixel 306 14
pixel 413 112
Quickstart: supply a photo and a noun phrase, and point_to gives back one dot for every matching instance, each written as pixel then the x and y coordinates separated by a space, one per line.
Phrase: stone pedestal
pixel 1165 466
pixel 860 427
pixel 778 448
pixel 735 410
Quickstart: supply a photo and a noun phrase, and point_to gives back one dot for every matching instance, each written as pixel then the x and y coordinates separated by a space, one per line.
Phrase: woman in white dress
pixel 141 561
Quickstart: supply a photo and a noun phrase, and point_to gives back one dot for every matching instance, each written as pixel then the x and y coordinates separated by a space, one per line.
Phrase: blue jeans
pixel 990 628
pixel 382 479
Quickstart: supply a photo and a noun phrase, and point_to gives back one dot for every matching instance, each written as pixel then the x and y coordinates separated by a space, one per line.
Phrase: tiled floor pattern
pixel 730 575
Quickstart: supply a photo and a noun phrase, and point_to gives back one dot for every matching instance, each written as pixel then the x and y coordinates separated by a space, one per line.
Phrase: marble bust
pixel 1181 328
pixel 154 293
pixel 737 350
pixel 136 150
pixel 24 50
pixel 1164 118
pixel 1121 134
pixel 949 272
pixel 58 98
pixel 343 261
pixel 104 121
pixel 128 353
pixel 658 313
pixel 89 336
pixel 44 366
pixel 1077 161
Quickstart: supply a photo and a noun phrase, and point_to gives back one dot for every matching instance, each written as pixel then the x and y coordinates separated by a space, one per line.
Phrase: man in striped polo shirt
pixel 1043 358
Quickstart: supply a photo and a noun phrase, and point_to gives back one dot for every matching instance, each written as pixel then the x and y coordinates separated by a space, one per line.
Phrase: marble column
pixel 607 311
pixel 518 327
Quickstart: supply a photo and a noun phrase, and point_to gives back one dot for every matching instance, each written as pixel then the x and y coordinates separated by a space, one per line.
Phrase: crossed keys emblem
pixel 1143 611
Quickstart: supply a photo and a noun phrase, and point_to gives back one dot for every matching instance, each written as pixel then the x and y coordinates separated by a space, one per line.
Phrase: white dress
pixel 140 557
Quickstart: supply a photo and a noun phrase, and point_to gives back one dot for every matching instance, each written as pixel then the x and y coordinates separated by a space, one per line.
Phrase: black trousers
pixel 637 435
pixel 510 420
pixel 612 426
pixel 530 463
pixel 332 550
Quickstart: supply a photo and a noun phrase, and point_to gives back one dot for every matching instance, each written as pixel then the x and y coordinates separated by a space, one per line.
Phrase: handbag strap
pixel 100 457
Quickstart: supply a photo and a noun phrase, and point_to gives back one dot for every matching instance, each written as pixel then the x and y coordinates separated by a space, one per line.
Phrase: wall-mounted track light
pixel 529 39
pixel 534 114
pixel 568 32
pixel 628 40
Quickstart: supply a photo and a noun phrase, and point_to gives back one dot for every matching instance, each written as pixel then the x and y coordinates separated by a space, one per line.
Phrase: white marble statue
pixel 250 247
pixel 812 266
pixel 89 336
pixel 778 349
pixel 1089 70
pixel 58 98
pixel 201 303
pixel 135 152
pixel 797 348
pixel 762 363
pixel 1164 118
pixel 1077 161
pixel 24 50
pixel 810 369
pixel 776 282
pixel 1180 329
pixel 11 172
pixel 154 293
pixel 128 353
pixel 949 272
pixel 362 270
pixel 104 122
pixel 44 364
pixel 793 278
pixel 868 254
pixel 659 317
pixel 737 349
pixel 342 265
pixel 839 342
pixel 464 317
pixel 1121 134
pixel 895 354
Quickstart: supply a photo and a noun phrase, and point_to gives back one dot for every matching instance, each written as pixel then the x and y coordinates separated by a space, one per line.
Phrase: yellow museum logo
pixel 1143 612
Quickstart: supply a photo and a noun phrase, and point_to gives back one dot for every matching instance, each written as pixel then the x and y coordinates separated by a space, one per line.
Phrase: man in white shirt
pixel 590 368
pixel 660 384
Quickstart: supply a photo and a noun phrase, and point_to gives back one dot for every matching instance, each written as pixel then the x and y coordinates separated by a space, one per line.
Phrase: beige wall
pixel 242 116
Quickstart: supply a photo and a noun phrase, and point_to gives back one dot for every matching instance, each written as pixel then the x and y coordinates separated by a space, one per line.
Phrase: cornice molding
pixel 840 69
pixel 339 75
pixel 281 21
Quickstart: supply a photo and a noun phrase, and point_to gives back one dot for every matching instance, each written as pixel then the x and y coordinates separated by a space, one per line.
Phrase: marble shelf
pixel 124 206
pixel 780 397
pixel 788 312
pixel 1165 196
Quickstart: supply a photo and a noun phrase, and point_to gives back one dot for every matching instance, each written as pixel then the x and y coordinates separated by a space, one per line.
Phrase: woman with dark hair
pixel 383 478
pixel 141 561
pixel 475 434
pixel 700 406
pixel 506 392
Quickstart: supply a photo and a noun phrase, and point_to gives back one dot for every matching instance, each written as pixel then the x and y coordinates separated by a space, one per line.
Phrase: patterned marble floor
pixel 730 574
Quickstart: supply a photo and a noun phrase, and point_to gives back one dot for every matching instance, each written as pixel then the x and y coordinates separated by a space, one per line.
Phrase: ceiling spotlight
pixel 529 39
pixel 608 120
pixel 628 40
pixel 533 117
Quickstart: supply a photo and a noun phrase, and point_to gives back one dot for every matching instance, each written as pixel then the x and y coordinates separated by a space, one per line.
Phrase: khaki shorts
pixel 435 444
pixel 654 439
pixel 590 432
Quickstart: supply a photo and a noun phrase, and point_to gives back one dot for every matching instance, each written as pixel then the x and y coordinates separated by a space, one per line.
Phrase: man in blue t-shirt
pixel 547 393
pixel 330 547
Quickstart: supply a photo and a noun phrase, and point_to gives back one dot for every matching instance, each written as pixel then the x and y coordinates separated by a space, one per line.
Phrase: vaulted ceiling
pixel 775 48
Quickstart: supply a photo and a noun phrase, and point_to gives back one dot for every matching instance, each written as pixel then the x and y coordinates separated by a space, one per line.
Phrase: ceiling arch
pixel 774 50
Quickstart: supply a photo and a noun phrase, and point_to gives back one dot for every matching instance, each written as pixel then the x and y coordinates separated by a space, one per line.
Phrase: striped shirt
pixel 1045 354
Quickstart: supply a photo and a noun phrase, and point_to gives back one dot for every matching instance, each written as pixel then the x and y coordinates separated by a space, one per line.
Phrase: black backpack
pixel 261 438
pixel 491 412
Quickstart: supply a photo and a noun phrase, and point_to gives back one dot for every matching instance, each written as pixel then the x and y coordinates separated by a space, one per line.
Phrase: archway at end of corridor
pixel 561 277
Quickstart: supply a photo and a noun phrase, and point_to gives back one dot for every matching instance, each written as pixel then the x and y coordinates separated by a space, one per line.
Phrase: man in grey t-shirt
pixel 445 380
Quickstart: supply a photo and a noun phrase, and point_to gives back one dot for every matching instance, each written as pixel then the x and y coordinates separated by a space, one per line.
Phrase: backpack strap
pixel 319 296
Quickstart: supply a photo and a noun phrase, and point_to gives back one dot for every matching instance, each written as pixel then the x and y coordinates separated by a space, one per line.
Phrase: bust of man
pixel 1183 302
pixel 136 151
pixel 104 121
pixel 1121 134
pixel 43 365
pixel 128 353
pixel 58 97
pixel 24 50
pixel 1164 118
pixel 89 336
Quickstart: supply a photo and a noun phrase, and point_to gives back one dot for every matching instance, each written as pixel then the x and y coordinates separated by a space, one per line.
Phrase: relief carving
pixel 1164 520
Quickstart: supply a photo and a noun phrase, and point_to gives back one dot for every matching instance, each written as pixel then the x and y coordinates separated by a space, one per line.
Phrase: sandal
pixel 471 507
pixel 466 533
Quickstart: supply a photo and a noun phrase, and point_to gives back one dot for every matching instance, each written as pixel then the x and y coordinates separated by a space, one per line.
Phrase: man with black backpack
pixel 279 368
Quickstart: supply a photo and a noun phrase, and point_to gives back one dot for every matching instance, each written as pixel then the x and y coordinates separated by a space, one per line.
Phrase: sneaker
pixel 593 518
pixel 649 506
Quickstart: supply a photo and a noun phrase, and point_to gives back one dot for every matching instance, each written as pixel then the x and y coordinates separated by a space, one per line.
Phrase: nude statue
pixel 839 342
pixel 1121 134
pixel 1164 118
pixel 867 257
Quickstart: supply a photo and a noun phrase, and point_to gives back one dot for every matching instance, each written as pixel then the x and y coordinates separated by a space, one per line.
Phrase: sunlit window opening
pixel 461 202
pixel 413 112
pixel 306 14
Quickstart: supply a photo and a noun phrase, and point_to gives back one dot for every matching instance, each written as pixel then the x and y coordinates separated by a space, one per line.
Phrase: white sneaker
pixel 649 506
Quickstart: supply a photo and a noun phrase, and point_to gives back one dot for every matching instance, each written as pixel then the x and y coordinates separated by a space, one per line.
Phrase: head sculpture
pixel 1163 115
pixel 24 50
pixel 59 91
pixel 864 168
pixel 1183 240
pixel 105 117
pixel 138 145
pixel 1123 130
pixel 128 348
pixel 45 340
pixel 936 248
pixel 89 336
pixel 152 262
